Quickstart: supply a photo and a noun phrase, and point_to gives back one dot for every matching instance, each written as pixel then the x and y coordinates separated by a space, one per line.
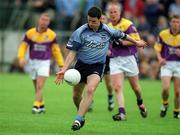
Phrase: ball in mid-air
pixel 72 76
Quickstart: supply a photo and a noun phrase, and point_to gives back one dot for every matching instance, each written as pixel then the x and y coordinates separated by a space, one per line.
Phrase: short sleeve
pixel 74 42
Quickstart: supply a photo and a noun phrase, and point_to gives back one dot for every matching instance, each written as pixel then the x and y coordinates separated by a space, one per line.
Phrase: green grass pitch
pixel 17 95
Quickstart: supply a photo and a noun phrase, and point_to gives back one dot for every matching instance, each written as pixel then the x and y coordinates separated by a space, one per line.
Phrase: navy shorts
pixel 88 69
pixel 107 68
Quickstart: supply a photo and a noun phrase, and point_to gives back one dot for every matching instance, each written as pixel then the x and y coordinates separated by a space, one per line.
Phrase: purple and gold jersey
pixel 41 46
pixel 167 45
pixel 127 27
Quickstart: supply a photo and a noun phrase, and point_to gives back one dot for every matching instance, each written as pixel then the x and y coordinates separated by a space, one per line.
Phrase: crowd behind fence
pixel 149 16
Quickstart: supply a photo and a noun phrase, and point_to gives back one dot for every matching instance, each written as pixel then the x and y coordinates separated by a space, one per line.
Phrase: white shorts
pixel 39 68
pixel 172 68
pixel 126 65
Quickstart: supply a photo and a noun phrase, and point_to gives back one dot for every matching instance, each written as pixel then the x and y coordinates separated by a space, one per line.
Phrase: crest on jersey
pixel 103 37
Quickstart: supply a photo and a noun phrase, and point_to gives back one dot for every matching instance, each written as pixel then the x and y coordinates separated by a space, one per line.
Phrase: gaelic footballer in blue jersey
pixel 89 45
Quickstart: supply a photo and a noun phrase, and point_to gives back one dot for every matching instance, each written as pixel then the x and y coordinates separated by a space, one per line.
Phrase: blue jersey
pixel 91 46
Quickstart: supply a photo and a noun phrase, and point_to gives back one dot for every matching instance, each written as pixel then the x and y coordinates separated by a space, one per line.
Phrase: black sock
pixel 110 96
pixel 139 102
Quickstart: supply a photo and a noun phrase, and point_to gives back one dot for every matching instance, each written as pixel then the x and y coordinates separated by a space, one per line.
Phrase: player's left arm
pixel 134 34
pixel 57 55
pixel 121 35
pixel 138 43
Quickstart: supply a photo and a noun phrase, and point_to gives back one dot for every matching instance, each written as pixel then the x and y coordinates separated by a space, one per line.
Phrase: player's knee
pixel 117 87
pixel 39 87
pixel 165 87
pixel 90 90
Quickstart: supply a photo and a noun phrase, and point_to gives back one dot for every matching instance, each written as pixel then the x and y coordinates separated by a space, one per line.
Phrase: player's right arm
pixel 21 54
pixel 73 45
pixel 132 32
pixel 68 61
pixel 158 48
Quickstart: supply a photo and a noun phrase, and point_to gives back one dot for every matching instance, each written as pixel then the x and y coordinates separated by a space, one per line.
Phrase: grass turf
pixel 17 94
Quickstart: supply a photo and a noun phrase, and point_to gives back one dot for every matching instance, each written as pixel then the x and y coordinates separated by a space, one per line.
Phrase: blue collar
pixel 100 27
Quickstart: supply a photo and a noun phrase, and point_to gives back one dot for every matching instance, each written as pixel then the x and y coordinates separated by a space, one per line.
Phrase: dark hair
pixel 176 16
pixel 95 12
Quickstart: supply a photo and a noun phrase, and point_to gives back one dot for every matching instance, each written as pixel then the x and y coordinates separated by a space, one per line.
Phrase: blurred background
pixel 17 16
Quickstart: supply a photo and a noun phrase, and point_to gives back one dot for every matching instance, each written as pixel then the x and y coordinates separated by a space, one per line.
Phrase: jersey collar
pixel 172 32
pixel 100 27
pixel 117 21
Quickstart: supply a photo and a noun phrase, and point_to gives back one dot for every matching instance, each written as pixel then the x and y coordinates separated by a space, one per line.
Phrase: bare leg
pixel 134 82
pixel 38 106
pixel 110 92
pixel 92 83
pixel 117 82
pixel 177 97
pixel 108 84
pixel 165 88
pixel 39 88
pixel 165 80
pixel 77 94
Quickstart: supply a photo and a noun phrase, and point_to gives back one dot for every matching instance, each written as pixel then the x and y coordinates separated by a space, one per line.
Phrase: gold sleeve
pixel 57 55
pixel 158 47
pixel 135 36
pixel 22 50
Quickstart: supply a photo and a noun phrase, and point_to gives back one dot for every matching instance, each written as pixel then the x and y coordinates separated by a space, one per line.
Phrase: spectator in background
pixel 20 2
pixel 105 2
pixel 148 66
pixel 165 6
pixel 37 7
pixel 14 67
pixel 67 11
pixel 161 24
pixel 85 6
pixel 151 56
pixel 152 11
pixel 174 8
pixel 143 26
pixel 133 7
